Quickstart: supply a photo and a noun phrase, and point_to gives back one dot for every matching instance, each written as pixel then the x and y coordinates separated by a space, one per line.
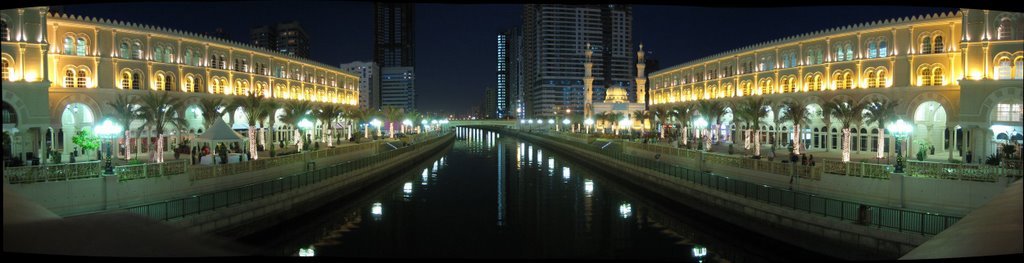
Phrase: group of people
pixel 804 158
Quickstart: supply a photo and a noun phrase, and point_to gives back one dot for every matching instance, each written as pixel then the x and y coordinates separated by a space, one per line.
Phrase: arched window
pixel 848 79
pixel 126 80
pixel 188 56
pixel 69 78
pixel 872 52
pixel 840 55
pixel 838 78
pixel 216 86
pixel 882 79
pixel 167 55
pixel 137 50
pixel 69 46
pixel 157 54
pixel 5 31
pixel 766 87
pixel 937 76
pixel 746 89
pixel 7 68
pixel 123 50
pixel 189 85
pixel 159 82
pixel 1005 30
pixel 81 46
pixel 926 45
pixel 237 68
pixel 1018 64
pixel 136 81
pixel 81 78
pixel 883 49
pixel 821 57
pixel 809 83
pixel 221 63
pixel 849 51
pixel 926 77
pixel 872 78
pixel 938 44
pixel 169 83
pixel 1003 68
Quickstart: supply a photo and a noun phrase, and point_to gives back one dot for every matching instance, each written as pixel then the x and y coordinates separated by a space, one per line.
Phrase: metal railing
pixel 958 171
pixel 196 204
pixel 858 169
pixel 149 170
pixel 779 168
pixel 881 217
pixel 219 170
pixel 53 172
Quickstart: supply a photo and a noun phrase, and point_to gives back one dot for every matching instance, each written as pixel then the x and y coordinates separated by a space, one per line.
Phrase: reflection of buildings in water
pixel 501 184
pixel 331 235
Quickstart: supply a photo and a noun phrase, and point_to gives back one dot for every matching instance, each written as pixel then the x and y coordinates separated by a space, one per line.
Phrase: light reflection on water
pixel 489 197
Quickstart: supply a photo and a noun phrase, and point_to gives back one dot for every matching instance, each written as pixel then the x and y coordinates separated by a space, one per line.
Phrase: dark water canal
pixel 494 196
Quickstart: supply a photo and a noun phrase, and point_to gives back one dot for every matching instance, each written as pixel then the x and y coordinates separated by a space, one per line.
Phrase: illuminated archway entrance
pixel 929 130
pixel 74 118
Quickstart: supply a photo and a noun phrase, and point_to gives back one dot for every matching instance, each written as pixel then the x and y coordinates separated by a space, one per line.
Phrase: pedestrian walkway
pixel 993 229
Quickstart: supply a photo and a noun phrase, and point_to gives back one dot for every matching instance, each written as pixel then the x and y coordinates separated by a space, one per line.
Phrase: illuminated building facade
pixel 60 72
pixel 957 77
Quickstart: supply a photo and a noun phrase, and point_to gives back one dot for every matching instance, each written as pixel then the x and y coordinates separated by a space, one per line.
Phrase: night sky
pixel 455 43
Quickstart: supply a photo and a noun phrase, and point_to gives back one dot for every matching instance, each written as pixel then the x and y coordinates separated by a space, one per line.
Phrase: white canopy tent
pixel 219 132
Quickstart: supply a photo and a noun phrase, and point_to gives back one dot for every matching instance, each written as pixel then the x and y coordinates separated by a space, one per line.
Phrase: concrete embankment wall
pixel 81 196
pixel 817 233
pixel 250 217
pixel 945 196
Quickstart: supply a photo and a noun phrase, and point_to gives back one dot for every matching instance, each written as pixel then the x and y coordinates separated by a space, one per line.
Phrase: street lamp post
pixel 566 121
pixel 900 130
pixel 588 122
pixel 701 124
pixel 108 130
pixel 376 123
pixel 304 125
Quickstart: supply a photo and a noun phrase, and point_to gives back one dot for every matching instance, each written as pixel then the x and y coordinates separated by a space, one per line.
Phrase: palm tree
pixel 712 110
pixel 614 117
pixel 881 112
pixel 266 114
pixel 392 114
pixel 797 113
pixel 682 115
pixel 412 116
pixel 327 113
pixel 576 118
pixel 295 112
pixel 752 110
pixel 361 116
pixel 210 108
pixel 123 114
pixel 848 114
pixel 659 115
pixel 252 105
pixel 641 116
pixel 230 109
pixel 158 112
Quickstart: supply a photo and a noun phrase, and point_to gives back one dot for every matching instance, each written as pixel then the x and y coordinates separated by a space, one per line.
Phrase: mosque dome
pixel 616 95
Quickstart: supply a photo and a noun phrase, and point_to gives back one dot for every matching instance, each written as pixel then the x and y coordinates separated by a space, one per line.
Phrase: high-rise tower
pixel 394 51
pixel 554 38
